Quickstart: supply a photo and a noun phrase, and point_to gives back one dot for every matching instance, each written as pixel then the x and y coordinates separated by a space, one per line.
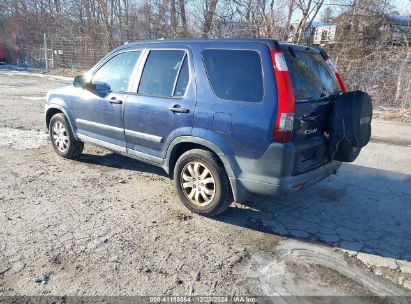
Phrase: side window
pixel 183 78
pixel 161 71
pixel 114 75
pixel 235 74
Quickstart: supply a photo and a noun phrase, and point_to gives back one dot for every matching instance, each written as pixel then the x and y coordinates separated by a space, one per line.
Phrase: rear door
pixel 315 86
pixel 161 105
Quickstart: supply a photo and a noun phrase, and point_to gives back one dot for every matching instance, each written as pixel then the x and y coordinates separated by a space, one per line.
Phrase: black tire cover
pixel 350 125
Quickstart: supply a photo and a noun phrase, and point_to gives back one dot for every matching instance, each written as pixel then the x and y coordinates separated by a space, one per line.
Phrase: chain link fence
pixel 384 72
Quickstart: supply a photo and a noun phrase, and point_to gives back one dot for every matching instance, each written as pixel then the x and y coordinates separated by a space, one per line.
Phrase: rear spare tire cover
pixel 350 125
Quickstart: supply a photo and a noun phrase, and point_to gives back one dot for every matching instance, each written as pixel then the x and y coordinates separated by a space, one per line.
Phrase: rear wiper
pixel 332 96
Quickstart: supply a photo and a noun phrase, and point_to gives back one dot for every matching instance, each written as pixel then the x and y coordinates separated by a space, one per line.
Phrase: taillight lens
pixel 284 122
pixel 337 74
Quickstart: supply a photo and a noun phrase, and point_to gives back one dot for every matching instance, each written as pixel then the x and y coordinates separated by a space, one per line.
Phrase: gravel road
pixel 109 225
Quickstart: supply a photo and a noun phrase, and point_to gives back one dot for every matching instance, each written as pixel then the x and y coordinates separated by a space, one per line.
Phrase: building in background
pixel 390 28
pixel 397 29
pixel 324 34
pixel 316 32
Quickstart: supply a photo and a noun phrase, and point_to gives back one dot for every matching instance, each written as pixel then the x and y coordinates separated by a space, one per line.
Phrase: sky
pixel 403 6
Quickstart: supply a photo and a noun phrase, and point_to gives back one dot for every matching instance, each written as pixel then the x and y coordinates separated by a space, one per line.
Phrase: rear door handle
pixel 114 100
pixel 178 109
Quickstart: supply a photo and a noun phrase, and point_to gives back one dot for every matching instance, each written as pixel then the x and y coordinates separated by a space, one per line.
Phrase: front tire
pixel 202 183
pixel 62 138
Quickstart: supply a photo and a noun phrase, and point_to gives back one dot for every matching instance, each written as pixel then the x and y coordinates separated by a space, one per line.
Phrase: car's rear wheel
pixel 202 183
pixel 62 138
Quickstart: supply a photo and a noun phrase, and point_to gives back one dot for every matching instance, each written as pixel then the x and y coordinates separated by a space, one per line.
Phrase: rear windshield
pixel 311 76
pixel 235 74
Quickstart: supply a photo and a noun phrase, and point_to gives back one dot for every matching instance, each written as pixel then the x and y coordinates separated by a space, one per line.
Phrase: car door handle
pixel 178 109
pixel 114 100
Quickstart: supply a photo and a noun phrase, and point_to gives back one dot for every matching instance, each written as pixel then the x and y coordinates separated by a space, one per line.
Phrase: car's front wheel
pixel 62 138
pixel 202 183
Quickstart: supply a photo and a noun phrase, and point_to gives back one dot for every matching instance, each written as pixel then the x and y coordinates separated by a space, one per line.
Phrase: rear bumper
pixel 283 168
pixel 292 183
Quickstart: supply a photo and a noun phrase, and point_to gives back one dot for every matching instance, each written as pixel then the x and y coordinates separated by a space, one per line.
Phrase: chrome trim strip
pixel 131 133
pixel 122 150
pixel 102 143
pixel 98 125
pixel 145 136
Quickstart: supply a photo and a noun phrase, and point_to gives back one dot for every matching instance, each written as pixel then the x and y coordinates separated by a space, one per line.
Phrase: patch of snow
pixel 22 139
pixel 11 70
pixel 304 269
pixel 34 97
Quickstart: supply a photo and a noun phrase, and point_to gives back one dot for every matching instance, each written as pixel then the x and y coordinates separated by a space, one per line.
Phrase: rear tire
pixel 62 138
pixel 202 183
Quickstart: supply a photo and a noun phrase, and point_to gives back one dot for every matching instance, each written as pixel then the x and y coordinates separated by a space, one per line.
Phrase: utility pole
pixel 45 53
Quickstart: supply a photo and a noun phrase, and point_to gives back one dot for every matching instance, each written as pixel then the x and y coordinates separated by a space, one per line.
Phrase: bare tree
pixel 309 10
pixel 184 30
pixel 209 14
pixel 290 9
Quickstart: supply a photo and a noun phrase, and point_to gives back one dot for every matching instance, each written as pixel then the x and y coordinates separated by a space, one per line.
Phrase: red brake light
pixel 337 75
pixel 284 122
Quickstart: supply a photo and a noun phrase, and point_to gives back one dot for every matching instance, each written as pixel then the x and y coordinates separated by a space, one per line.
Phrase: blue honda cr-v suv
pixel 224 117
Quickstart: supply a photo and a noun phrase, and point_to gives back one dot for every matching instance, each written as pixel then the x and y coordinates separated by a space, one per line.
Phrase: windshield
pixel 311 77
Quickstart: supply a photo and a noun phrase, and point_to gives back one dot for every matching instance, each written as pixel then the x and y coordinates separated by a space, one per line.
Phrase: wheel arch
pixel 185 143
pixel 54 109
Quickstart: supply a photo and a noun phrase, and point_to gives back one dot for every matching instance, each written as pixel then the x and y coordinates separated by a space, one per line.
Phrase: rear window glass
pixel 235 74
pixel 310 75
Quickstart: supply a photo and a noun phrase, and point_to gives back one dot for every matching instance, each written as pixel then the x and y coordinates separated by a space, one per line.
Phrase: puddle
pixel 300 269
pixel 22 139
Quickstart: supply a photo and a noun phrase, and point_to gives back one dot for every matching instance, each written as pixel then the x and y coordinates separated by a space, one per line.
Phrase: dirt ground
pixel 109 225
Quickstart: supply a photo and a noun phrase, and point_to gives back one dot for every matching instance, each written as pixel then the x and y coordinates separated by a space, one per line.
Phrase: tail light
pixel 337 74
pixel 284 122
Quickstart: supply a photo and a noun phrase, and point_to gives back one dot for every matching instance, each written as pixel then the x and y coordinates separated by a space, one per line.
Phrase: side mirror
pixel 79 82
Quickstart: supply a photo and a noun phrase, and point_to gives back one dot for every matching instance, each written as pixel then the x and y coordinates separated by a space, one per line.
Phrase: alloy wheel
pixel 197 183
pixel 60 136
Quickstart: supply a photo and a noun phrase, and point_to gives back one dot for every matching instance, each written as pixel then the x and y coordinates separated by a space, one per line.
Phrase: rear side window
pixel 235 74
pixel 310 75
pixel 165 74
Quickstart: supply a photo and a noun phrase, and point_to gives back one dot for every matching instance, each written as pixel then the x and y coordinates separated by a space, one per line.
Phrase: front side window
pixel 114 75
pixel 235 74
pixel 165 74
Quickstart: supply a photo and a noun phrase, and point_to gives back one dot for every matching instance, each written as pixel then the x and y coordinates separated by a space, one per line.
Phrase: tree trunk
pixel 208 18
pixel 289 16
pixel 183 17
pixel 403 83
pixel 173 18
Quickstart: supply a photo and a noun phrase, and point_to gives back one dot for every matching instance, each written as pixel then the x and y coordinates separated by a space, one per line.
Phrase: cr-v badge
pixel 310 131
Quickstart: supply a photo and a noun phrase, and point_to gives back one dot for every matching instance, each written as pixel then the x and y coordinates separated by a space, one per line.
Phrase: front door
pixel 161 107
pixel 99 108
